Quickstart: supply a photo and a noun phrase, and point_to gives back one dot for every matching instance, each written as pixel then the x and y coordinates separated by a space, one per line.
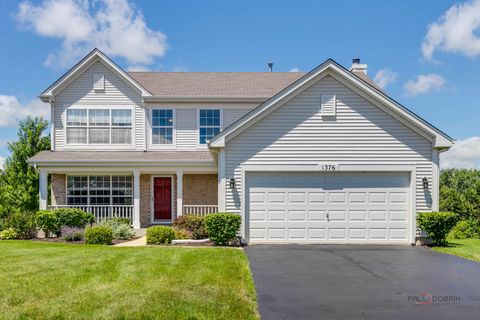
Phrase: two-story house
pixel 324 156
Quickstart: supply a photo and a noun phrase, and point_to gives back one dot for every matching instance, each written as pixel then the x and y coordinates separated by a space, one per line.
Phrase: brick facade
pixel 200 189
pixel 58 189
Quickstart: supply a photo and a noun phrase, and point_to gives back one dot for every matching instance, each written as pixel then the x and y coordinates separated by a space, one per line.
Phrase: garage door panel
pixel 357 215
pixel 339 207
pixel 317 198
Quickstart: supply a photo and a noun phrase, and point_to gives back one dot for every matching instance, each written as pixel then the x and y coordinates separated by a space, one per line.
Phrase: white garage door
pixel 328 207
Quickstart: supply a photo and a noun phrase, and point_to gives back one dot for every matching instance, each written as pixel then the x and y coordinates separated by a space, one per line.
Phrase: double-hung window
pixel 209 124
pixel 99 126
pixel 99 190
pixel 162 126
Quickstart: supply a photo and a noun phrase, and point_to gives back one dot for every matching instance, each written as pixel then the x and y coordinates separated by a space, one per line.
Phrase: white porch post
pixel 179 192
pixel 43 189
pixel 136 199
pixel 221 181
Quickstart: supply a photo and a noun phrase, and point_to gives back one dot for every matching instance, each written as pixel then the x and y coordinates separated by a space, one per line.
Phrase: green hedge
pixel 194 224
pixel 466 229
pixel 98 235
pixel 47 220
pixel 160 235
pixel 73 217
pixel 437 225
pixel 222 227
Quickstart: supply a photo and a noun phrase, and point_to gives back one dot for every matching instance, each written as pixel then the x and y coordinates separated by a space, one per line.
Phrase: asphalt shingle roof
pixel 121 156
pixel 215 84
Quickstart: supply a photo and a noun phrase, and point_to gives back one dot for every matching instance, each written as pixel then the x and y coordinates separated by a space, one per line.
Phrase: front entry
pixel 162 198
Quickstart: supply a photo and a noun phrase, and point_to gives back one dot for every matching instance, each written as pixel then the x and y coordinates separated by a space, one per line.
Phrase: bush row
pixel 221 228
pixel 52 221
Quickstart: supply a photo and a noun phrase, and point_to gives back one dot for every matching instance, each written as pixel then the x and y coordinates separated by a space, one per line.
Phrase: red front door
pixel 162 198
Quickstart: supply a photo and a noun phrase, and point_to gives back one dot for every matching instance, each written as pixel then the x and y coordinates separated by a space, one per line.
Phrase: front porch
pixel 145 197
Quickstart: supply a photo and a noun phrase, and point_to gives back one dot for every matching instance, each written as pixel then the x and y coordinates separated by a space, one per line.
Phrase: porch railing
pixel 201 210
pixel 103 212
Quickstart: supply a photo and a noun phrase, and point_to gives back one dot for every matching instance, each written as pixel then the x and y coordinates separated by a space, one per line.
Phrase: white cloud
pixel 455 31
pixel 424 83
pixel 464 154
pixel 2 162
pixel 116 27
pixel 385 77
pixel 12 110
pixel 294 70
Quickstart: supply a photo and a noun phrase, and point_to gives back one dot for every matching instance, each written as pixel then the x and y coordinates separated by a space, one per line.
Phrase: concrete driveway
pixel 363 282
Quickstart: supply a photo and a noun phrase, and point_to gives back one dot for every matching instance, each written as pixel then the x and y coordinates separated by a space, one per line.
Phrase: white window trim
pixel 88 189
pixel 173 145
pixel 109 146
pixel 199 145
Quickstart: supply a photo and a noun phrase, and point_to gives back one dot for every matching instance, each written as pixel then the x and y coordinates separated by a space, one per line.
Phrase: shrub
pixel 8 233
pixel 123 232
pixel 74 236
pixel 120 221
pixel 73 217
pixel 222 227
pixel 98 235
pixel 47 220
pixel 120 227
pixel 181 235
pixel 466 229
pixel 23 224
pixel 437 225
pixel 160 235
pixel 194 224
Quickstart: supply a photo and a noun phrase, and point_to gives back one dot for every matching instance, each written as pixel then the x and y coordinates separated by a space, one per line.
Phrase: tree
pixel 19 180
pixel 460 192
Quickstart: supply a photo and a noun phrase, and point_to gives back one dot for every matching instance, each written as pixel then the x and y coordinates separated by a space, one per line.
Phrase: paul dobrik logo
pixel 427 298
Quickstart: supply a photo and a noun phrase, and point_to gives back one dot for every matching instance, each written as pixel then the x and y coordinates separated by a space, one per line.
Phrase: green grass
pixel 61 281
pixel 468 248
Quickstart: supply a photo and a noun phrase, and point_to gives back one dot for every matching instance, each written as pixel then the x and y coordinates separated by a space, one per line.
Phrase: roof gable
pixel 330 67
pixel 94 56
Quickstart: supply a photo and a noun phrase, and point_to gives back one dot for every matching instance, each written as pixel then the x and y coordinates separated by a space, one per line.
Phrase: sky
pixel 424 54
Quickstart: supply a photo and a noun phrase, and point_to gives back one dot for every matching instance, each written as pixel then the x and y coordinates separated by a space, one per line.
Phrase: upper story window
pixel 162 126
pixel 99 126
pixel 209 124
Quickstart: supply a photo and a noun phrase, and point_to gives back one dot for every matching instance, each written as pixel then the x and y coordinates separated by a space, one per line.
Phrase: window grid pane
pixel 162 126
pixel 99 117
pixel 76 117
pixel 99 190
pixel 121 117
pixel 209 124
pixel 99 126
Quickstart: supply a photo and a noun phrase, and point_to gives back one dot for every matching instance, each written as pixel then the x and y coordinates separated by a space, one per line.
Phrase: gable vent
pixel 98 81
pixel 329 104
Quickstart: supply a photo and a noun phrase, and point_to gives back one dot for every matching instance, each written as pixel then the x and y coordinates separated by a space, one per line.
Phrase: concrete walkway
pixel 134 243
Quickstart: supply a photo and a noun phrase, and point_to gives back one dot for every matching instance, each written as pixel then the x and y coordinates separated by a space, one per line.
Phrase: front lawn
pixel 468 248
pixel 60 281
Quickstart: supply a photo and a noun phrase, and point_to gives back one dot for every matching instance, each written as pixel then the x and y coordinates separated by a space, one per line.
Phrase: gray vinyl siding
pixel 232 115
pixel 186 131
pixel 186 122
pixel 117 92
pixel 296 133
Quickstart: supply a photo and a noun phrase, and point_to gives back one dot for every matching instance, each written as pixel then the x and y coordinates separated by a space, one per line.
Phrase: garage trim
pixel 342 168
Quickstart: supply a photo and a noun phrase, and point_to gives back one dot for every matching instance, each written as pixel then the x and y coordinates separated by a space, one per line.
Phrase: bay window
pixel 99 190
pixel 99 126
pixel 209 124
